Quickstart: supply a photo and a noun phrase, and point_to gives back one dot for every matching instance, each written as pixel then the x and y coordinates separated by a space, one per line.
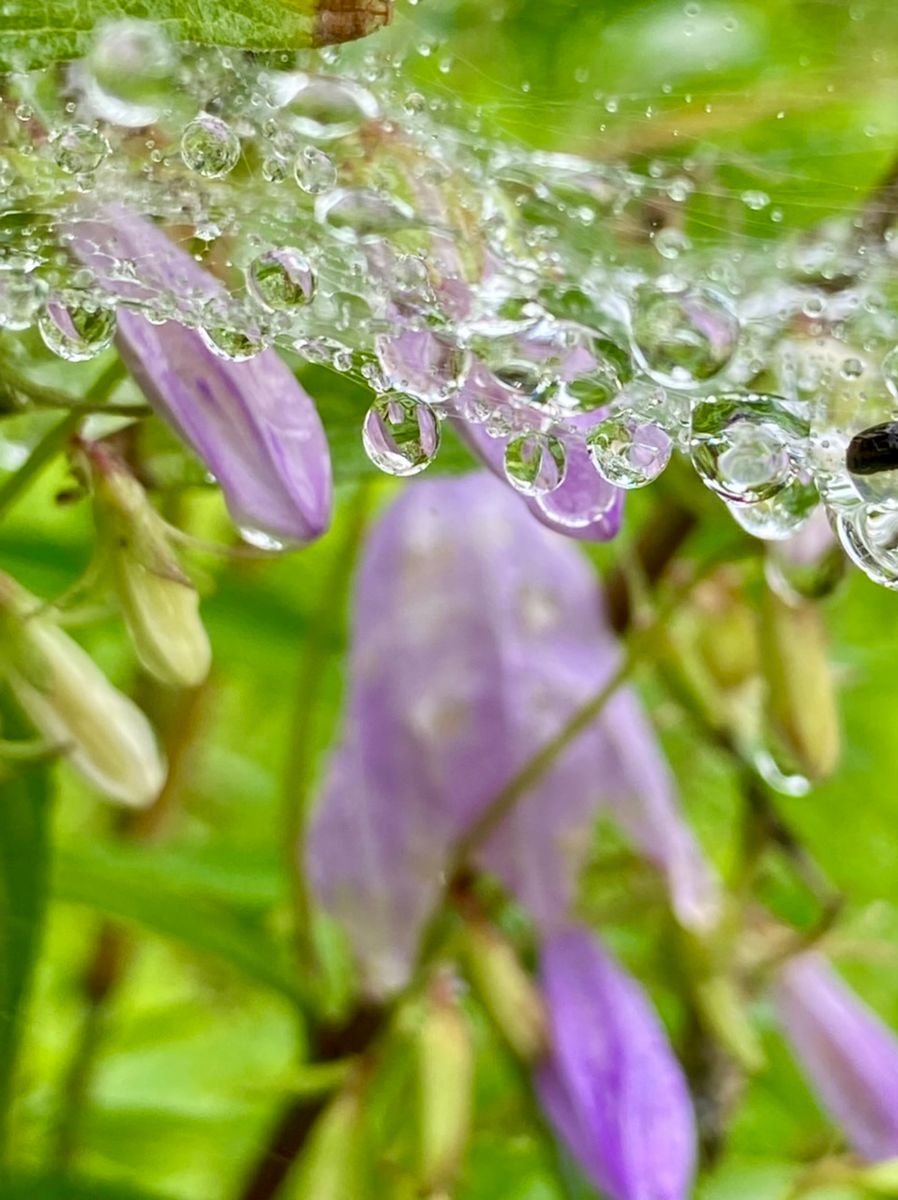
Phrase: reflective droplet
pixel 427 365
pixel 401 435
pixel 128 68
pixel 869 536
pixel 79 149
pixel 779 516
pixel 890 371
pixel 535 463
pixel 361 214
pixel 21 298
pixel 236 345
pixel 627 451
pixel 322 108
pixel 745 447
pixel 808 565
pixel 682 338
pixel 261 540
pixel 282 279
pixel 314 171
pixel 76 330
pixel 210 147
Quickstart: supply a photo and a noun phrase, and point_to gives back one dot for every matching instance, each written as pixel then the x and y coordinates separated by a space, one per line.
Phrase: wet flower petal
pixel 250 422
pixel 848 1053
pixel 611 1085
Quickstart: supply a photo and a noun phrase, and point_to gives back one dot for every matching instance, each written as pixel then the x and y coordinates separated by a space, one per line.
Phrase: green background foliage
pixel 203 1038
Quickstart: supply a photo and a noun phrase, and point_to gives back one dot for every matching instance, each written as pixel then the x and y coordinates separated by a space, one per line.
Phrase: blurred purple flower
pixel 250 422
pixel 476 635
pixel 848 1053
pixel 611 1086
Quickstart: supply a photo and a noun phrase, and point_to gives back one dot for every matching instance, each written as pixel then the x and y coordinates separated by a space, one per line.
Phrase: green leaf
pixel 57 1187
pixel 23 886
pixel 136 886
pixel 36 32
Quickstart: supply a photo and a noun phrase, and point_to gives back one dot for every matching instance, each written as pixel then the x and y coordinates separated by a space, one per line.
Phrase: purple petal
pixel 611 1086
pixel 848 1053
pixel 476 635
pixel 250 422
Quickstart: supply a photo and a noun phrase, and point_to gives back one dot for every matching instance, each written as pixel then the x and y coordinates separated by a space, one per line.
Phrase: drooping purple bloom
pixel 476 635
pixel 250 422
pixel 611 1085
pixel 847 1052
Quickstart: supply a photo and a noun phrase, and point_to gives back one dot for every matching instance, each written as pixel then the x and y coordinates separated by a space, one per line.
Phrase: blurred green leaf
pixel 23 886
pixel 57 1187
pixel 134 885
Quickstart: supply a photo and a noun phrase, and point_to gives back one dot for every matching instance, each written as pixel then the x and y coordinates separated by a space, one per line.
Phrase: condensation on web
pixel 607 300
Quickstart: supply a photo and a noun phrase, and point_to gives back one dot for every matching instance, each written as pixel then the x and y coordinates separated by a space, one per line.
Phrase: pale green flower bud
pixel 445 1086
pixel 330 1168
pixel 505 989
pixel 159 603
pixel 101 732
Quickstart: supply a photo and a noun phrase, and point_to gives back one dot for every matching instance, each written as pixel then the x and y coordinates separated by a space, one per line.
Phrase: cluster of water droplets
pixel 350 219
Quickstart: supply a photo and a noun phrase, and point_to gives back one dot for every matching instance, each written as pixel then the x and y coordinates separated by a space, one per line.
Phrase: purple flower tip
pixel 611 1086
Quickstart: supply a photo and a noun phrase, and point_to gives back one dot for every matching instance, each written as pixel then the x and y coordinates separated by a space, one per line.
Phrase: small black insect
pixel 873 450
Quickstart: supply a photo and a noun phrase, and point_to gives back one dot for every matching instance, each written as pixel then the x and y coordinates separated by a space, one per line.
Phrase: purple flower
pixel 250 422
pixel 848 1053
pixel 476 635
pixel 611 1085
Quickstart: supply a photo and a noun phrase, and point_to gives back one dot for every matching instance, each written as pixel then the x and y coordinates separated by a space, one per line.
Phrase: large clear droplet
pixel 21 297
pixel 210 146
pixel 869 536
pixel 362 215
pixel 535 463
pixel 226 341
pixel 282 279
pixel 128 68
pixel 76 329
pixel 427 365
pixel 401 435
pixel 314 171
pixel 627 451
pixel 779 516
pixel 682 338
pixel 79 149
pixel 746 447
pixel 324 109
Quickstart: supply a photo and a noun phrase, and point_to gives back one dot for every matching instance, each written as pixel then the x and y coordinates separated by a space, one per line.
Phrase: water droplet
pixel 282 279
pixel 535 463
pixel 745 446
pixel 21 297
pixel 779 516
pixel 628 452
pixel 361 214
pixel 226 341
pixel 210 146
pixel 314 171
pixel 685 337
pixel 77 329
pixel 869 536
pixel 890 371
pixel 324 109
pixel 128 69
pixel 401 435
pixel 261 540
pixel 275 169
pixel 430 366
pixel 79 150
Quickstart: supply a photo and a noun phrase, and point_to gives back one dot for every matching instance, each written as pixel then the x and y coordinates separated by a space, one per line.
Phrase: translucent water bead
pixel 401 435
pixel 628 451
pixel 682 338
pixel 210 146
pixel 430 366
pixel 779 516
pixel 127 72
pixel 77 329
pixel 282 279
pixel 869 536
pixel 535 463
pixel 747 447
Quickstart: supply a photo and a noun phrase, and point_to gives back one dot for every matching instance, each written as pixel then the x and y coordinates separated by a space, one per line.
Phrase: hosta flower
pixel 848 1053
pixel 476 635
pixel 250 422
pixel 105 737
pixel 611 1086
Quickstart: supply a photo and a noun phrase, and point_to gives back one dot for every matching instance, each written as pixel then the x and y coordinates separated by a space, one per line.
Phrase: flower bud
pixel 72 703
pixel 329 1168
pixel 881 1179
pixel 802 716
pixel 724 1011
pixel 506 990
pixel 159 603
pixel 445 1081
